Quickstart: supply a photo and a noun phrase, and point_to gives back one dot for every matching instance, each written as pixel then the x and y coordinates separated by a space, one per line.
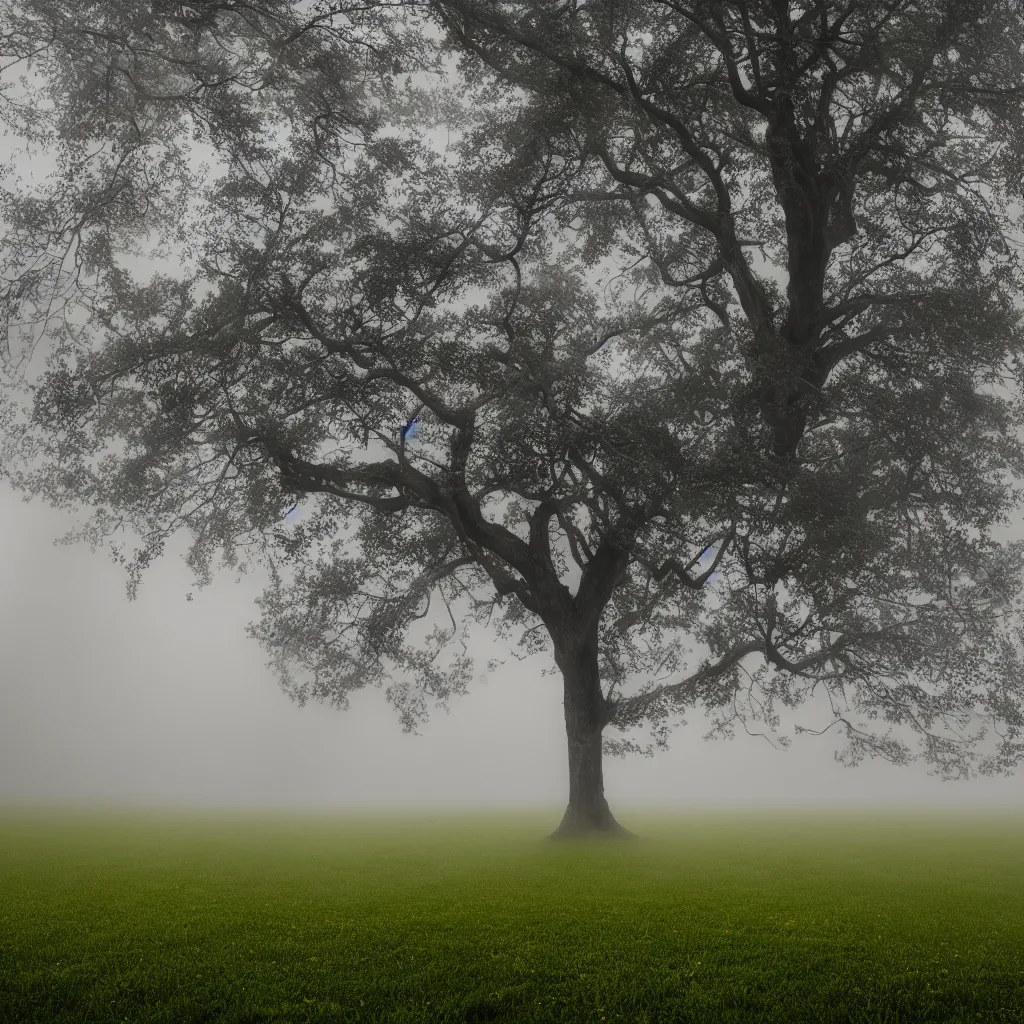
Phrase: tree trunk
pixel 587 813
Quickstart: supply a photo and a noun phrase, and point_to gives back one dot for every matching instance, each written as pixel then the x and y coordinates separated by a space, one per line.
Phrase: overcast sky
pixel 162 701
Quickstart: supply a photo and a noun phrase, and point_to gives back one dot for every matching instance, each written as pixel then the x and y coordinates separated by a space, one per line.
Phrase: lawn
pixel 713 918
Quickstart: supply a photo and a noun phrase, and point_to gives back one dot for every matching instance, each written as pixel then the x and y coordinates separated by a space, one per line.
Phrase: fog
pixel 167 702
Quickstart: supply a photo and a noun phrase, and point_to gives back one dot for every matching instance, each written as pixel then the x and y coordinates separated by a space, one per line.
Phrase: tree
pixel 704 327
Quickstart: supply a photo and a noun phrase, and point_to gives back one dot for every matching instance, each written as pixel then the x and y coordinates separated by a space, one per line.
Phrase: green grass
pixel 132 918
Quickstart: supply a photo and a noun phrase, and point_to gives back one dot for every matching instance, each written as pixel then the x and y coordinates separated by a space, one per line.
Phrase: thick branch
pixel 628 711
pixel 602 575
pixel 673 565
pixel 481 537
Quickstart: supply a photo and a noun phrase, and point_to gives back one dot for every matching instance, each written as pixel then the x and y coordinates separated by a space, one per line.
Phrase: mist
pixel 166 702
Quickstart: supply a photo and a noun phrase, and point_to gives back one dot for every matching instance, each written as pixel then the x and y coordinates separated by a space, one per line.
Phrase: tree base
pixel 591 833
pixel 601 826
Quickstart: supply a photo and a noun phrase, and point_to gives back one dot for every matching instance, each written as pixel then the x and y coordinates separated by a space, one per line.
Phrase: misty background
pixel 166 702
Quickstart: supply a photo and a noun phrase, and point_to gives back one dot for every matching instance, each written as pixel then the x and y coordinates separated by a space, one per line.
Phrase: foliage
pixel 710 314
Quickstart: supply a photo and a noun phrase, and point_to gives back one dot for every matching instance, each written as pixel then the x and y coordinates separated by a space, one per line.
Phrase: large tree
pixel 623 325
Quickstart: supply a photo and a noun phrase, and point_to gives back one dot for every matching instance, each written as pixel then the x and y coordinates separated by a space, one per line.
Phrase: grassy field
pixel 745 918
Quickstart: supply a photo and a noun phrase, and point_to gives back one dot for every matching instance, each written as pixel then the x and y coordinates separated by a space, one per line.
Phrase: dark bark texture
pixel 586 714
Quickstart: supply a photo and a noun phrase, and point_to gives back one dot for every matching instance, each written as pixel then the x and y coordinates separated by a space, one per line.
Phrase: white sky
pixel 162 701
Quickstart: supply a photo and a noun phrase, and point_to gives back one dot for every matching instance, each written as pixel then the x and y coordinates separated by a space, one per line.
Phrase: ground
pixel 709 918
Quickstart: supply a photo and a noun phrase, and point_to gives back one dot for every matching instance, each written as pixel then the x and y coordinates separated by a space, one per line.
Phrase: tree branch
pixel 628 711
pixel 675 566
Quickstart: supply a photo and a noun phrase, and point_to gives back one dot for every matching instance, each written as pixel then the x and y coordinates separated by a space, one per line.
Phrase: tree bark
pixel 587 814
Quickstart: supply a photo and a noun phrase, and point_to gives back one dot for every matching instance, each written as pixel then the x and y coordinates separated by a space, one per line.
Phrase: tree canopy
pixel 619 326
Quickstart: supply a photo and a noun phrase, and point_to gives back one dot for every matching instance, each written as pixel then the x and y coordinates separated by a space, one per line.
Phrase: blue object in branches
pixel 412 426
pixel 705 560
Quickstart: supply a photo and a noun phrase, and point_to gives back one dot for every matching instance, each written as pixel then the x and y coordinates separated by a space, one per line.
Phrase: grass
pixel 753 918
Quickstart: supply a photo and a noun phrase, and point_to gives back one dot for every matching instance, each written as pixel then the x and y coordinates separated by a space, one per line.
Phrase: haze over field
pixel 165 701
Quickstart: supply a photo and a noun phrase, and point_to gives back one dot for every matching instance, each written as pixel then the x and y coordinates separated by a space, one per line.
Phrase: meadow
pixel 107 918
